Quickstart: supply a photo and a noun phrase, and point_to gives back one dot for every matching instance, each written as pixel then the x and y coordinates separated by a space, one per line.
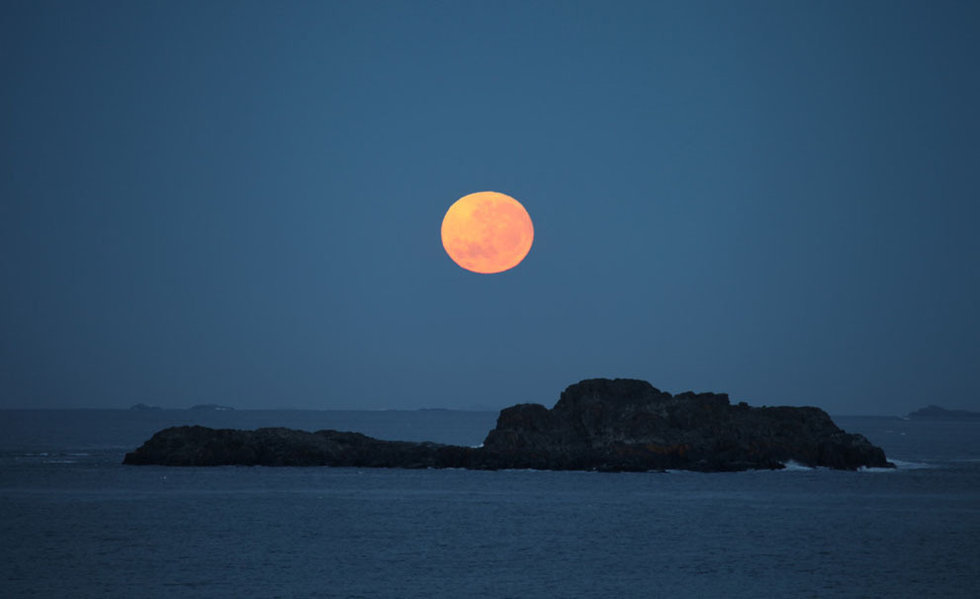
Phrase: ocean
pixel 75 522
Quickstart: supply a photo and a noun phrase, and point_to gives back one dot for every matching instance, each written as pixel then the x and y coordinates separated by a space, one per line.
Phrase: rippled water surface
pixel 74 522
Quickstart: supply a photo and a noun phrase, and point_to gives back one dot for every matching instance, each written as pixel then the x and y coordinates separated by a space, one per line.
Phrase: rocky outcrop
pixel 625 424
pixel 597 424
pixel 202 446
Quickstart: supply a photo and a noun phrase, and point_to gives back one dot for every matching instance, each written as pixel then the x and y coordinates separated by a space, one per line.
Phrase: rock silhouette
pixel 597 424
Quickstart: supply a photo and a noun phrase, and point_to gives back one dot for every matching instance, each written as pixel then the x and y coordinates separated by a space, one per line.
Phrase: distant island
pixel 204 407
pixel 597 424
pixel 937 413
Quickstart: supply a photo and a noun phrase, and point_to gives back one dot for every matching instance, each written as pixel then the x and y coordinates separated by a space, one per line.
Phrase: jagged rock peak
pixel 618 391
pixel 623 391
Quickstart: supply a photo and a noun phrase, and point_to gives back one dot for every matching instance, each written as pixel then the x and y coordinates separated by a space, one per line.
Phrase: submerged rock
pixel 597 424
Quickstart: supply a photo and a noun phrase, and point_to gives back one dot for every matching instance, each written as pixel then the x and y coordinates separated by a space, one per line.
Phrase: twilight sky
pixel 240 202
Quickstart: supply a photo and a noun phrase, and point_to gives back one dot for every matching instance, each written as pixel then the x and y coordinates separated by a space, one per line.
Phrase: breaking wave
pixel 794 466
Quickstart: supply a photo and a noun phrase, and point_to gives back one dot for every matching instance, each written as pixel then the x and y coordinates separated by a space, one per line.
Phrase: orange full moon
pixel 487 232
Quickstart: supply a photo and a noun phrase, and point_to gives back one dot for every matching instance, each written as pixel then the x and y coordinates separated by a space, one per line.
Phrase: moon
pixel 487 232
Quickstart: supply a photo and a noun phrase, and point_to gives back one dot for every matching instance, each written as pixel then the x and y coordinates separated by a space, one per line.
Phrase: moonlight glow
pixel 487 232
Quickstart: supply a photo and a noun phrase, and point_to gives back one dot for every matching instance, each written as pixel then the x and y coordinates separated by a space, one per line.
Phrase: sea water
pixel 75 522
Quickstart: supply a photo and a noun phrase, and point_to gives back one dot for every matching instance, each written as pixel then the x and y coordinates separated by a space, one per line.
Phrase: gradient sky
pixel 240 202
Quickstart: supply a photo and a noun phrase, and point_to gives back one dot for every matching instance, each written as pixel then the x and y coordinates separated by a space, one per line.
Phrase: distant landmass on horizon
pixel 938 413
pixel 206 407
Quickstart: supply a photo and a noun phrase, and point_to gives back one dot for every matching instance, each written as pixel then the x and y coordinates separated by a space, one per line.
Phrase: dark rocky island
pixel 937 413
pixel 597 424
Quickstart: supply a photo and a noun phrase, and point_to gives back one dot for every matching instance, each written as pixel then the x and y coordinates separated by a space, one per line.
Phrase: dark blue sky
pixel 240 202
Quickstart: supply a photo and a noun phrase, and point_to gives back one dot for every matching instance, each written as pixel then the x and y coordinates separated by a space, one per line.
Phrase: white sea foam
pixel 794 466
pixel 906 465
pixel 900 465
